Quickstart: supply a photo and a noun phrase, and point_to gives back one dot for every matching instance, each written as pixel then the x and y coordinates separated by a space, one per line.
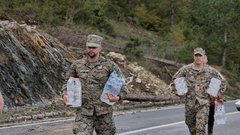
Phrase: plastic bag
pixel 74 92
pixel 113 85
pixel 220 114
pixel 214 87
pixel 181 85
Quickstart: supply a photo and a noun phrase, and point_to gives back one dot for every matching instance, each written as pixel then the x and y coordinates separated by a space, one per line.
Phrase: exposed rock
pixel 149 83
pixel 116 56
pixel 144 81
pixel 138 80
pixel 32 64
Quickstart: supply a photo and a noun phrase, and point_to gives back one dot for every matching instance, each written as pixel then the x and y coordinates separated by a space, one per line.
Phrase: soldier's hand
pixel 65 99
pixel 220 99
pixel 181 96
pixel 112 97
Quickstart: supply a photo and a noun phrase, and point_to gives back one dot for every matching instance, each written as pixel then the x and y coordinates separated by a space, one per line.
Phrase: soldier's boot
pixel 210 129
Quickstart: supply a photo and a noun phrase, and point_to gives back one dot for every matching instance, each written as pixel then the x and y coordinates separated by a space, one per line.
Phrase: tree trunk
pixel 137 97
pixel 225 49
pixel 165 61
pixel 172 16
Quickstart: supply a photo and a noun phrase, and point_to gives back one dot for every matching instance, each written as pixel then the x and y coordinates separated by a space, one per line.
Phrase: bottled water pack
pixel 220 114
pixel 113 86
pixel 214 87
pixel 74 92
pixel 181 85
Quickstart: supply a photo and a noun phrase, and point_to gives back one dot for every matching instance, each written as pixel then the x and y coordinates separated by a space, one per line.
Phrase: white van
pixel 238 105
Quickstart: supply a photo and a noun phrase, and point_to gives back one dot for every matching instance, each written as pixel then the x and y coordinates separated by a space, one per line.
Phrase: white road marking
pixel 37 123
pixel 150 128
pixel 125 133
pixel 160 126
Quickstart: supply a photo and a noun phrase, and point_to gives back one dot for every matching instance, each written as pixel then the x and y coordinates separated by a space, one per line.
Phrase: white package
pixel 74 92
pixel 220 114
pixel 214 87
pixel 181 85
pixel 113 86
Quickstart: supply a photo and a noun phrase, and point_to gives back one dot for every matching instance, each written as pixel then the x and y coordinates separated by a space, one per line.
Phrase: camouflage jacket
pixel 93 77
pixel 198 82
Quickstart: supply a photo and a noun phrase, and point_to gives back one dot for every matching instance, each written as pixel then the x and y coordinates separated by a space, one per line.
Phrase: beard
pixel 92 54
pixel 198 62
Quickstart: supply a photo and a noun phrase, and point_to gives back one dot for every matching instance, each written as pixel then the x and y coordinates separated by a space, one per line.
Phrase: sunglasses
pixel 91 47
pixel 198 55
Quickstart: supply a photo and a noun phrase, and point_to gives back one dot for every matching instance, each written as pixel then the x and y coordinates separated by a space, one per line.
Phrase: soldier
pixel 1 103
pixel 198 76
pixel 212 112
pixel 211 107
pixel 93 72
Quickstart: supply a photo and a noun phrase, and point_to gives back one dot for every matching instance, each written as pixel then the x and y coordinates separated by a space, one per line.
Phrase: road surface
pixel 164 121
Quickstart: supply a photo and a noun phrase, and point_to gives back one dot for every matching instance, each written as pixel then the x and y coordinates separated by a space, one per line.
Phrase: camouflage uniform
pixel 94 113
pixel 197 99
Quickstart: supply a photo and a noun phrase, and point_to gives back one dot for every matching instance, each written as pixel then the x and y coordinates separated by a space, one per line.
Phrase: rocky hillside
pixel 33 66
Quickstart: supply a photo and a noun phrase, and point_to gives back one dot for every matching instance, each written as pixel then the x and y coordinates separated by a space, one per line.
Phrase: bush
pixel 133 48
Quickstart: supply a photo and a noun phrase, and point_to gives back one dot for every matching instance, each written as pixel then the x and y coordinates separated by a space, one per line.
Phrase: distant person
pixel 197 77
pixel 93 72
pixel 212 112
pixel 1 103
pixel 212 108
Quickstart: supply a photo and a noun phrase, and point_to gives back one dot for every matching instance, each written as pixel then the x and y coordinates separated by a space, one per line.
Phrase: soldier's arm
pixel 179 73
pixel 123 92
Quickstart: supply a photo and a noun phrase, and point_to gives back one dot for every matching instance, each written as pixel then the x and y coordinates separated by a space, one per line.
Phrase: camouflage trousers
pixel 103 124
pixel 196 118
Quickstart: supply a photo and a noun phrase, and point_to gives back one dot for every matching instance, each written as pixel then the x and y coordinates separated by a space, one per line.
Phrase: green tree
pixel 218 19
pixel 133 48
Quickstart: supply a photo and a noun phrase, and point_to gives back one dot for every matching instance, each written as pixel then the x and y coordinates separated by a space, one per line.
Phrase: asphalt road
pixel 164 121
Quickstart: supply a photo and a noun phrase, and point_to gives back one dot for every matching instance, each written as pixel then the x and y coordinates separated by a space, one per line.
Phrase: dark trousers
pixel 211 118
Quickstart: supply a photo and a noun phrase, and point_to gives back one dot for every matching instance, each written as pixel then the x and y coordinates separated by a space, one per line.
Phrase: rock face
pixel 144 82
pixel 32 64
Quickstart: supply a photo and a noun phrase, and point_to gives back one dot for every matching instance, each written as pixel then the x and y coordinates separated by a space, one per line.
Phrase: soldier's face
pixel 198 59
pixel 93 51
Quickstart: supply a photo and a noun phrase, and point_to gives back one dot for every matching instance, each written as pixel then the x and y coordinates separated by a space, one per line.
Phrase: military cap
pixel 94 41
pixel 199 51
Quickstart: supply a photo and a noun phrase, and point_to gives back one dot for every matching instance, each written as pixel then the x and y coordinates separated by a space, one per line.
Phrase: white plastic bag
pixel 113 85
pixel 214 87
pixel 220 114
pixel 74 92
pixel 181 85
